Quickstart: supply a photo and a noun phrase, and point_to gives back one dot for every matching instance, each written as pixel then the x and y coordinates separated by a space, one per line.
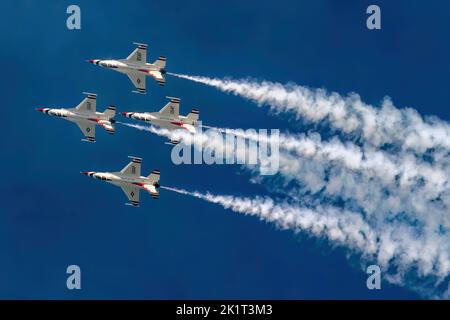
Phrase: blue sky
pixel 179 247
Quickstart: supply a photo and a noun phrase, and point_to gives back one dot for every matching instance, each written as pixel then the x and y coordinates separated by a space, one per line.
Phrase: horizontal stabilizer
pixel 158 77
pixel 153 177
pixel 161 62
pixel 109 113
pixel 194 115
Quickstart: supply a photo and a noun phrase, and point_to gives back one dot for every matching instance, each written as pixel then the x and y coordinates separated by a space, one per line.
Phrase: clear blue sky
pixel 179 247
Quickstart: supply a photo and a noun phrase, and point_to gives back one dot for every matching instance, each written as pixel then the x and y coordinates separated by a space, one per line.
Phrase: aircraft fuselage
pixel 119 179
pixel 74 116
pixel 125 66
pixel 157 119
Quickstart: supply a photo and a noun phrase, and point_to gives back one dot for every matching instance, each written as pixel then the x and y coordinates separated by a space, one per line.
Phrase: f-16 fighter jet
pixel 86 116
pixel 130 180
pixel 135 66
pixel 169 117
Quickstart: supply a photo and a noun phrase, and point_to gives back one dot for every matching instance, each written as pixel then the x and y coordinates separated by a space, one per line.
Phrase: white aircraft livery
pixel 86 116
pixel 130 180
pixel 169 117
pixel 135 66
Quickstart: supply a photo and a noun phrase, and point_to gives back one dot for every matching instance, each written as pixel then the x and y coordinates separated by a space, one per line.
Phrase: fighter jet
pixel 86 116
pixel 130 180
pixel 135 66
pixel 169 117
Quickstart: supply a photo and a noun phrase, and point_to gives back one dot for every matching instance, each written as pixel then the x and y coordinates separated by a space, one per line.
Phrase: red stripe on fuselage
pixel 180 124
pixel 140 184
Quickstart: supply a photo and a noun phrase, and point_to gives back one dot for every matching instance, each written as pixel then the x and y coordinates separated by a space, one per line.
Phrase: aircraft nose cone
pixel 85 172
pixel 40 109
pixel 93 61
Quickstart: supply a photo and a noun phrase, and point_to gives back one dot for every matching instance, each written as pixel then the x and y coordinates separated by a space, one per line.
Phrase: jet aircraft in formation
pixel 86 117
pixel 135 66
pixel 130 180
pixel 169 117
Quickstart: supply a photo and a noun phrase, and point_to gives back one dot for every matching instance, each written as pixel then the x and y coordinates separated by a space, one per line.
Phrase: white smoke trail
pixel 409 216
pixel 385 246
pixel 345 228
pixel 411 185
pixel 403 169
pixel 377 126
pixel 158 131
pixel 374 182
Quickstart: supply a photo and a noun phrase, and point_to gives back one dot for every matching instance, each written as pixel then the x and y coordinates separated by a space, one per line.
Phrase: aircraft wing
pixel 139 54
pixel 88 104
pixel 133 167
pixel 132 194
pixel 88 130
pixel 172 108
pixel 138 81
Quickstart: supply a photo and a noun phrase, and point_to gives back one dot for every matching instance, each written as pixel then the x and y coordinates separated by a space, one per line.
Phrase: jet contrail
pixel 405 128
pixel 410 217
pixel 403 185
pixel 152 129
pixel 340 227
pixel 373 180
pixel 385 246
pixel 406 207
pixel 402 169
